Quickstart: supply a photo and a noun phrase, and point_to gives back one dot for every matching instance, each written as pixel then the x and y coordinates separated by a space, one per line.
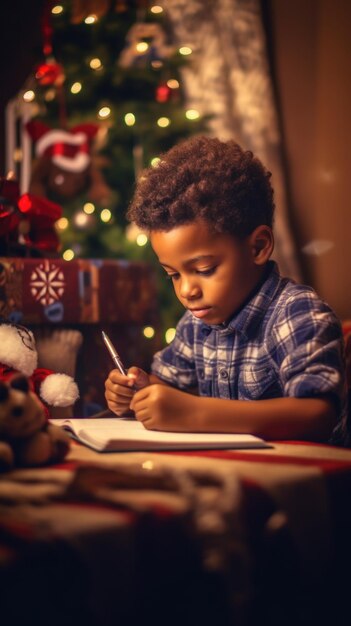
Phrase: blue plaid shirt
pixel 285 342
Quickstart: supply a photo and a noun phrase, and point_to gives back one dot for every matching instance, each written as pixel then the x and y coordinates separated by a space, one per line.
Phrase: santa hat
pixel 18 354
pixel 55 389
pixel 68 149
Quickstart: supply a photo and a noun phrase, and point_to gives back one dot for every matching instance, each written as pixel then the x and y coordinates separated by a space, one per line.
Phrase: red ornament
pixel 49 74
pixel 38 218
pixel 29 217
pixel 163 93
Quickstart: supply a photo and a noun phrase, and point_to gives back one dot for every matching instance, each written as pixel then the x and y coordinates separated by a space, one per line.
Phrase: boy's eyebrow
pixel 194 259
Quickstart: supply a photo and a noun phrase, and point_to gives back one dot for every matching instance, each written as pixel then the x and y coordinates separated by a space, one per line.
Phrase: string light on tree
pixel 95 64
pixel 105 215
pixel 185 50
pixel 81 219
pixel 89 208
pixel 62 223
pixel 29 95
pixel 76 87
pixel 155 161
pixel 149 332
pixel 129 119
pixel 192 114
pixel 91 19
pixel 142 46
pixel 104 112
pixel 57 9
pixel 163 122
pixel 156 9
pixel 141 239
pixel 172 83
pixel 170 334
pixel 68 255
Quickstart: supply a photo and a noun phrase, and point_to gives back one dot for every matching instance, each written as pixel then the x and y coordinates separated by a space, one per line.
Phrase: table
pixel 222 537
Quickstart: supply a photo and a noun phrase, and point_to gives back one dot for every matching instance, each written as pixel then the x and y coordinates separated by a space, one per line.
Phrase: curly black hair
pixel 205 178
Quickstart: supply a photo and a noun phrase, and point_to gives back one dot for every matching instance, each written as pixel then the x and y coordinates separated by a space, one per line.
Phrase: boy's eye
pixel 172 276
pixel 206 272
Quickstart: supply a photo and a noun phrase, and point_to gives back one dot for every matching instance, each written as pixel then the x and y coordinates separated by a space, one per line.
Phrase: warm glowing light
pixel 81 219
pixel 89 208
pixel 163 122
pixel 68 255
pixel 50 95
pixel 95 64
pixel 62 223
pixel 156 64
pixel 104 112
pixel 76 87
pixel 129 119
pixel 141 239
pixel 185 50
pixel 170 334
pixel 105 215
pixel 155 161
pixel 29 95
pixel 17 155
pixel 91 19
pixel 142 46
pixel 172 83
pixel 148 332
pixel 57 9
pixel 156 9
pixel 192 114
pixel 132 231
pixel 148 465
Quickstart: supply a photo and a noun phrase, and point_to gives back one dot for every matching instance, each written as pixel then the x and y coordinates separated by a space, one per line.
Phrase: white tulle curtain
pixel 229 78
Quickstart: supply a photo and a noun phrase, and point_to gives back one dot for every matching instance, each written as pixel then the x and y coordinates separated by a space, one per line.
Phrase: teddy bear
pixel 18 354
pixel 27 439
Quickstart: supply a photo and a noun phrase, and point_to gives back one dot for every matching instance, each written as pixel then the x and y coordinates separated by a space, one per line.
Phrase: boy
pixel 254 352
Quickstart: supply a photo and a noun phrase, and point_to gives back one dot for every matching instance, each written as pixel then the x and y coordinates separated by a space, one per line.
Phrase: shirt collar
pixel 255 308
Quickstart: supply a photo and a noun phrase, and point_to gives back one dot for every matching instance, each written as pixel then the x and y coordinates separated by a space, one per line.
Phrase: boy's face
pixel 212 273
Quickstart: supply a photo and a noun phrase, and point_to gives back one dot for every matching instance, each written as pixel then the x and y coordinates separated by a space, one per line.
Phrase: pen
pixel 114 354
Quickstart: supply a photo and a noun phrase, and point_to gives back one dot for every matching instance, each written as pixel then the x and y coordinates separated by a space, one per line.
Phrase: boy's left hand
pixel 160 407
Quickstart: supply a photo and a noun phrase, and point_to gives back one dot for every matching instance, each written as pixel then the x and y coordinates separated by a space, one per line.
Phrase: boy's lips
pixel 200 312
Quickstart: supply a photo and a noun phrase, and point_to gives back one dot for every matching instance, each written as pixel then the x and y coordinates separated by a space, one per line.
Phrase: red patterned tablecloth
pixel 220 537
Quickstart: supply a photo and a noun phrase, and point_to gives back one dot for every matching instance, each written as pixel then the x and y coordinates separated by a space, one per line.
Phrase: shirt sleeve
pixel 308 348
pixel 176 363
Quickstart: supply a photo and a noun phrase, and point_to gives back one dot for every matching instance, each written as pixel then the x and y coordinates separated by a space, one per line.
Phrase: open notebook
pixel 116 434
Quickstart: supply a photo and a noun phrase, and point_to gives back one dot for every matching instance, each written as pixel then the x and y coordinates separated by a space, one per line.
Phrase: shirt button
pixel 223 374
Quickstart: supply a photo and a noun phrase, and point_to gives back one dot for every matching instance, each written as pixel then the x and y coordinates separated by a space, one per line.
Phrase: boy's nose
pixel 189 289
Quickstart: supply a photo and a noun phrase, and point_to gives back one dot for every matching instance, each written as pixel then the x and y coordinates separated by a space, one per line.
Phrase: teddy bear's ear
pixel 21 383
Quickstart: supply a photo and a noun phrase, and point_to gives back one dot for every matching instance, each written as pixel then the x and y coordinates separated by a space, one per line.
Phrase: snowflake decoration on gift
pixel 47 283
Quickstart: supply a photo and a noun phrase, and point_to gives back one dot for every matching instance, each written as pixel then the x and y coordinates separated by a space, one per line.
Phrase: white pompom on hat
pixel 59 390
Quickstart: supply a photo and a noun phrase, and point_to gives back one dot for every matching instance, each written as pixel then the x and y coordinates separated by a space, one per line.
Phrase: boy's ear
pixel 262 244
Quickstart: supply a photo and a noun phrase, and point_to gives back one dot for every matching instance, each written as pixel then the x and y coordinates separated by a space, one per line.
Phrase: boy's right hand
pixel 119 389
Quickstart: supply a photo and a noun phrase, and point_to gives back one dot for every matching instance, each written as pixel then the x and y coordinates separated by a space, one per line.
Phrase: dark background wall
pixel 311 51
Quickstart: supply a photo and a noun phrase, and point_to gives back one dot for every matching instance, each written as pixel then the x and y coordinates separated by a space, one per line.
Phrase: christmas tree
pixel 114 74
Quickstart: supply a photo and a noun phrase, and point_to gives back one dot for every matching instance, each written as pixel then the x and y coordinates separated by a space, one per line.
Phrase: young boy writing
pixel 254 352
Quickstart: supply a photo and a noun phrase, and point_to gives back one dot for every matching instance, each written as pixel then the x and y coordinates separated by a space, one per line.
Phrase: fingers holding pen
pixel 119 390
